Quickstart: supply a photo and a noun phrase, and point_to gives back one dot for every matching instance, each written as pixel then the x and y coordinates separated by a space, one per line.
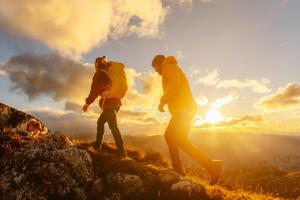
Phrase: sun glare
pixel 213 116
pixel 198 120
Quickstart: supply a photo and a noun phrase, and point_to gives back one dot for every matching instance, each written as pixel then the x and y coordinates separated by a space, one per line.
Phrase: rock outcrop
pixel 53 166
pixel 14 120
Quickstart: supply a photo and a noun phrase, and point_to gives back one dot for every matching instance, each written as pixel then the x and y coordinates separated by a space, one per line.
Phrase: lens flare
pixel 213 116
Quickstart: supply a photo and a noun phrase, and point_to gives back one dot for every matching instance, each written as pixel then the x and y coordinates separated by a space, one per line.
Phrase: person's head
pixel 156 63
pixel 101 63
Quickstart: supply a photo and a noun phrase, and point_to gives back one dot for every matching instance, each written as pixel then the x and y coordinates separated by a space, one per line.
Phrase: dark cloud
pixel 285 98
pixel 48 74
pixel 76 107
pixel 238 121
pixel 68 81
pixel 71 106
pixel 129 116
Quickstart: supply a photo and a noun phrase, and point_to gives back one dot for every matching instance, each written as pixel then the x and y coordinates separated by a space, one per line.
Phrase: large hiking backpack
pixel 118 81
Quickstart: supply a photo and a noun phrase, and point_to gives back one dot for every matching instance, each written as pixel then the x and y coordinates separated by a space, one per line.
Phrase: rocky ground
pixel 53 166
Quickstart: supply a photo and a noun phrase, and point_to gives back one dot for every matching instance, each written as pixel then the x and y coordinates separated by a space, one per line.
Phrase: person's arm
pixel 172 83
pixel 98 86
pixel 94 92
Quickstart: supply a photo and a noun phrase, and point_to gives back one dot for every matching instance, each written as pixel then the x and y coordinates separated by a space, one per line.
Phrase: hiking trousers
pixel 176 136
pixel 110 116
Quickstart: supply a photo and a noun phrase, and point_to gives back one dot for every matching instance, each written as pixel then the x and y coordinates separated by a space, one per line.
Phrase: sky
pixel 240 56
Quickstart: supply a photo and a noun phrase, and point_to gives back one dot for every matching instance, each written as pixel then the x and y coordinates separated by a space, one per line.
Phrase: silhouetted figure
pixel 110 83
pixel 182 106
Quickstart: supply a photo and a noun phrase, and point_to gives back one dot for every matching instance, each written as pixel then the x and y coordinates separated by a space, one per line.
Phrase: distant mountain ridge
pixel 236 150
pixel 54 166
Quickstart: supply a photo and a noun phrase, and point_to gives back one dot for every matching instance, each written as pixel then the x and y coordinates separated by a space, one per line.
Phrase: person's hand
pixel 161 107
pixel 85 107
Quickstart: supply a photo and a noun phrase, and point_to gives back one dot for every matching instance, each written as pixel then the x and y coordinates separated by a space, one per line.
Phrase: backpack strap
pixel 106 72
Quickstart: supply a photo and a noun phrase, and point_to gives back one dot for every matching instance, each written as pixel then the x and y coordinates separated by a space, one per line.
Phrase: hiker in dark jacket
pixel 109 106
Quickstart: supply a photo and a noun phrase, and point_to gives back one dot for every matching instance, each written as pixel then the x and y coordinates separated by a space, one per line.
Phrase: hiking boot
pixel 214 171
pixel 179 170
pixel 96 145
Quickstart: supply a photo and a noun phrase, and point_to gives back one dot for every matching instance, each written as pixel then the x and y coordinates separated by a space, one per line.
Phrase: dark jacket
pixel 99 85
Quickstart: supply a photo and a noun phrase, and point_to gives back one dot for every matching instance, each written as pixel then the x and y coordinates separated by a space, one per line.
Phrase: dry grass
pixel 139 162
pixel 263 179
pixel 218 192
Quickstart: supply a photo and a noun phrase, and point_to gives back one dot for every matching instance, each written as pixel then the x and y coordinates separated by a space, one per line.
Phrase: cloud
pixel 219 103
pixel 69 82
pixel 201 100
pixel 79 126
pixel 213 79
pixel 181 3
pixel 144 91
pixel 65 79
pixel 283 2
pixel 75 27
pixel 285 98
pixel 71 106
pixel 125 116
pixel 210 110
pixel 2 73
pixel 137 118
pixel 254 85
pixel 49 74
pixel 240 121
pixel 184 3
pixel 69 123
pixel 210 79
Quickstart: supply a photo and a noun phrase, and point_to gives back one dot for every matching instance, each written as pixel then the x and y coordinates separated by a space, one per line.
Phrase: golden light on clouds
pixel 285 98
pixel 213 79
pixel 75 27
pixel 211 111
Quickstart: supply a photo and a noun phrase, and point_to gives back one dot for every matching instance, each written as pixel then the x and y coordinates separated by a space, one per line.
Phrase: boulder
pixel 53 168
pixel 14 120
pixel 174 186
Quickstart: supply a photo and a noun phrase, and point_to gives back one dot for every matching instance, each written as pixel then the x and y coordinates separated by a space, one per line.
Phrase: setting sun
pixel 213 116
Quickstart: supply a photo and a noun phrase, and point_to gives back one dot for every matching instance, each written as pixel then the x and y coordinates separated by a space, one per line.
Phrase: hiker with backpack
pixel 178 97
pixel 110 83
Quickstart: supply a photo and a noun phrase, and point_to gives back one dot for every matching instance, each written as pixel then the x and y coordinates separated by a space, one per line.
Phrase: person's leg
pixel 183 123
pixel 213 167
pixel 100 128
pixel 113 125
pixel 170 137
